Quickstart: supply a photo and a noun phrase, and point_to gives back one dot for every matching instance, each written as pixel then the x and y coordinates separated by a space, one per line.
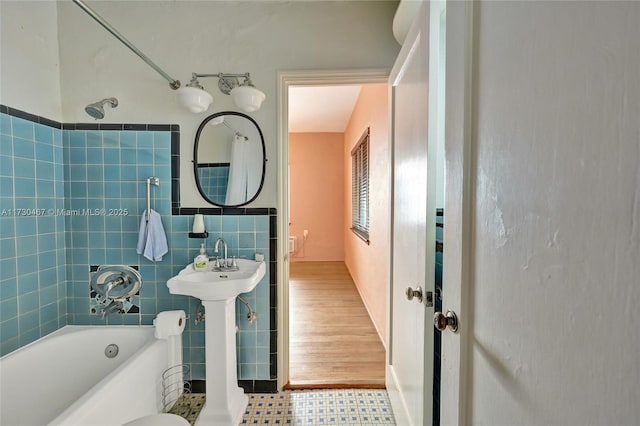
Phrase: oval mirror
pixel 229 159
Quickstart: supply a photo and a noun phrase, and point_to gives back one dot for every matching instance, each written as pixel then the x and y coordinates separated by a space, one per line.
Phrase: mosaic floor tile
pixel 352 407
pixel 320 407
pixel 189 406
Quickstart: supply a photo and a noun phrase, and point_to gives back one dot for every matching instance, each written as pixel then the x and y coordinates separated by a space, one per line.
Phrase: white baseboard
pixel 398 403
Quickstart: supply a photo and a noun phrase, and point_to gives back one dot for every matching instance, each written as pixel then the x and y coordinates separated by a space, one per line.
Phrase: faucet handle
pixel 234 264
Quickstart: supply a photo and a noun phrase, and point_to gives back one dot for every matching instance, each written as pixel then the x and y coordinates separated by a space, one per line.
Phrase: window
pixel 360 187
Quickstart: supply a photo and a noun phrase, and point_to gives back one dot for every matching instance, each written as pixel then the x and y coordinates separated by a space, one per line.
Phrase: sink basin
pixel 226 401
pixel 217 285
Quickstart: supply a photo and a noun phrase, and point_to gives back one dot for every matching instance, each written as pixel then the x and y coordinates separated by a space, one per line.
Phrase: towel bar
pixel 155 181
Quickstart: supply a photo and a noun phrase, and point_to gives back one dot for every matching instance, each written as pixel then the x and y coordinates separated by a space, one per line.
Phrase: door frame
pixel 287 79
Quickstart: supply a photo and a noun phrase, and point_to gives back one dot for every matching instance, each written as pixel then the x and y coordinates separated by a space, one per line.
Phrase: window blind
pixel 360 187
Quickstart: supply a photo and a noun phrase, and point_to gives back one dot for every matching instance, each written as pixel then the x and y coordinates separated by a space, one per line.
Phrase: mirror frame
pixel 195 156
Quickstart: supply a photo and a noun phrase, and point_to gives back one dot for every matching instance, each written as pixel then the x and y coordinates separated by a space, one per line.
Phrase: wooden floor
pixel 333 342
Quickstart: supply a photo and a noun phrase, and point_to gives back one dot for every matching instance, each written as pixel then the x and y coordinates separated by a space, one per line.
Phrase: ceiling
pixel 321 109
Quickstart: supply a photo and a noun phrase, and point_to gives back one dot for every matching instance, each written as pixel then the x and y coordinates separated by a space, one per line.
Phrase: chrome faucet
pixel 215 250
pixel 113 307
pixel 113 284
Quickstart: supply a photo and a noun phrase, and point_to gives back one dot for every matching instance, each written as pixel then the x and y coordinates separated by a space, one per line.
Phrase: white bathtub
pixel 65 378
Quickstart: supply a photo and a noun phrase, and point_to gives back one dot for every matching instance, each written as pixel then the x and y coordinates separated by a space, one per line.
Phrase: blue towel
pixel 152 241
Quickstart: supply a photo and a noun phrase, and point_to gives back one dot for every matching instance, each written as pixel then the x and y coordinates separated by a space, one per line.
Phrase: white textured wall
pixel 29 65
pixel 210 37
pixel 556 322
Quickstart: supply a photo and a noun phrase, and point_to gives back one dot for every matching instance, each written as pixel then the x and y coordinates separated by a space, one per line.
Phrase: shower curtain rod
pixel 174 84
pixel 237 133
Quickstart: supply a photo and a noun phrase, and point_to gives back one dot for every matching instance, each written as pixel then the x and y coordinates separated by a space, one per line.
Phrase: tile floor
pixel 307 407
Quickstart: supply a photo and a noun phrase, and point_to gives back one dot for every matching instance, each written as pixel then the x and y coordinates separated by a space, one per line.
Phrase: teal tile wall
pixel 108 193
pixel 213 182
pixel 92 187
pixel 106 172
pixel 32 233
pixel 437 335
pixel 439 246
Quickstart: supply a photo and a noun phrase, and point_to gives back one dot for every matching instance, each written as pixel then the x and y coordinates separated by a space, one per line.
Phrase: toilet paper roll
pixel 169 323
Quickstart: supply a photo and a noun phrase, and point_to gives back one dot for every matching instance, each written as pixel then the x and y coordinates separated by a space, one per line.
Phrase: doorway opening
pixel 332 329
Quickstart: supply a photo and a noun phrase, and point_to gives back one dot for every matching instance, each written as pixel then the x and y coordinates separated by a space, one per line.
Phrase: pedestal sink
pixel 226 401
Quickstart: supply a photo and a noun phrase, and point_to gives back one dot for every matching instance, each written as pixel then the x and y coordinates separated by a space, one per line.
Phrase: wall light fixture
pixel 244 94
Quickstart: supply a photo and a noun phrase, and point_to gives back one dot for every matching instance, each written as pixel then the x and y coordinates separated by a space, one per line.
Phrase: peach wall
pixel 368 264
pixel 316 188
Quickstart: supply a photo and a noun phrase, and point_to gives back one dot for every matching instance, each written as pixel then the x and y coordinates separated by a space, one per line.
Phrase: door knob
pixel 417 293
pixel 442 321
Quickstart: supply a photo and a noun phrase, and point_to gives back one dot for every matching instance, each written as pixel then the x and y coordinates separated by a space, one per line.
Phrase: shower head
pixel 96 110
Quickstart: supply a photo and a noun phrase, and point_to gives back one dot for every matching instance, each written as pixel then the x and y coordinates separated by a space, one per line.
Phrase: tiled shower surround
pixel 32 248
pixel 213 181
pixel 72 197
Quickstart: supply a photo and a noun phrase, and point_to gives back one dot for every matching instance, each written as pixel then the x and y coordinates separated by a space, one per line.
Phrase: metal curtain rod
pixel 174 84
pixel 237 133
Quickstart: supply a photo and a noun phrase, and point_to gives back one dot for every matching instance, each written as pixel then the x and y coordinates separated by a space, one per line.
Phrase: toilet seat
pixel 159 420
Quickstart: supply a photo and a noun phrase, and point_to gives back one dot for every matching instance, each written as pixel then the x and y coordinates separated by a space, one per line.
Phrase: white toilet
pixel 159 420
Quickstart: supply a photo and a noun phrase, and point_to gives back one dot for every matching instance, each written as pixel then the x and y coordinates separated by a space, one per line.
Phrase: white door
pixel 457 210
pixel 410 355
pixel 542 213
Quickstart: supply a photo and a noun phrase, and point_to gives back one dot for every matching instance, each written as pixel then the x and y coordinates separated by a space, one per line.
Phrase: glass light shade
pixel 194 99
pixel 247 98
